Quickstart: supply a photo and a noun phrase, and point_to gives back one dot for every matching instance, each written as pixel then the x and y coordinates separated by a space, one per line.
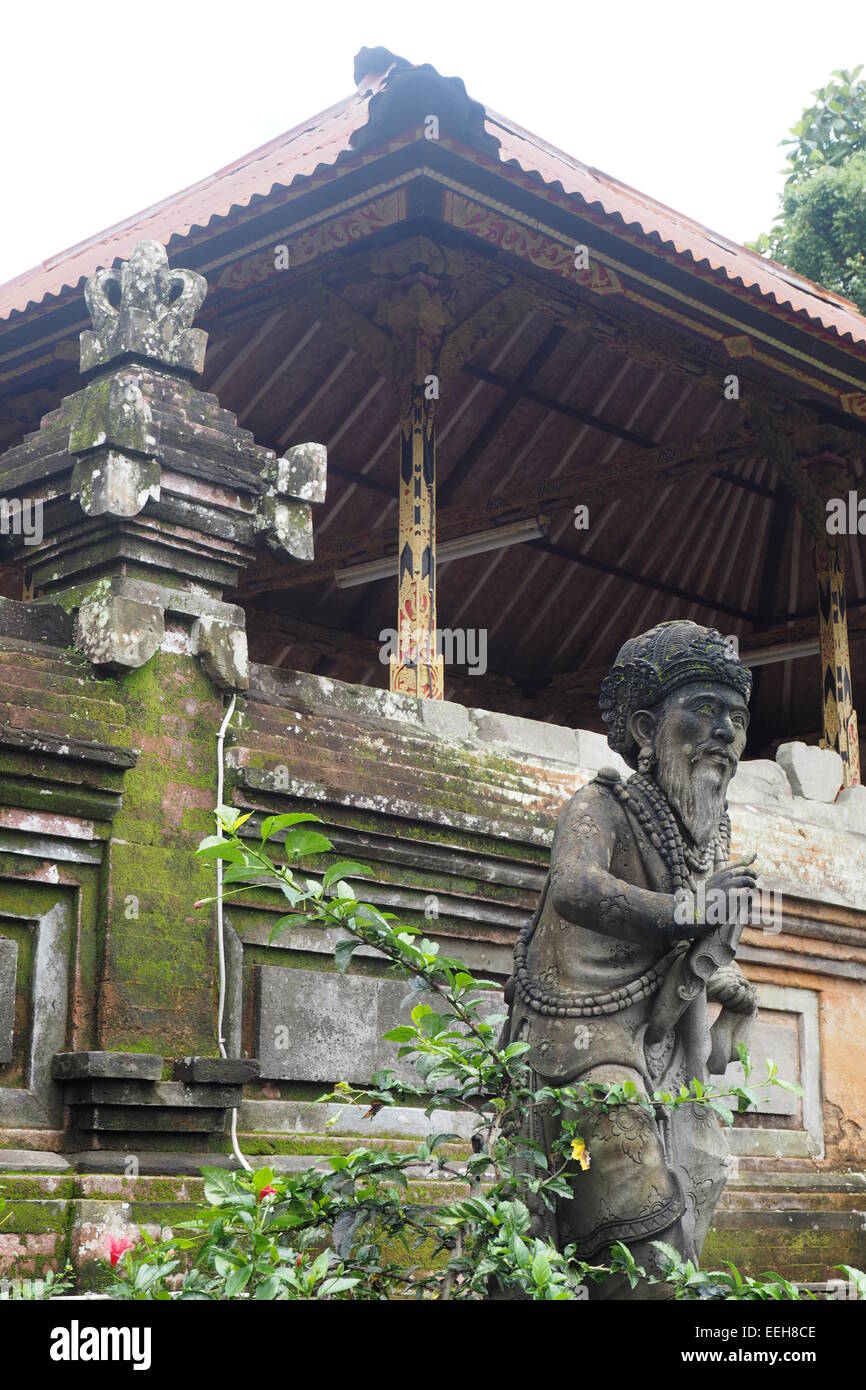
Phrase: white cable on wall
pixel 221 949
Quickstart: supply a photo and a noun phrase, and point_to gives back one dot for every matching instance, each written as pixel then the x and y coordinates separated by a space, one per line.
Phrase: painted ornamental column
pixel 839 715
pixel 417 668
pixel 417 315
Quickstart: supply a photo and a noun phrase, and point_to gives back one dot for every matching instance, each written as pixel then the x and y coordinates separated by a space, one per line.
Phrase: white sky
pixel 108 107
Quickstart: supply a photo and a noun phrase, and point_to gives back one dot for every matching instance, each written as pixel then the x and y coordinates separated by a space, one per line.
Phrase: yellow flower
pixel 578 1151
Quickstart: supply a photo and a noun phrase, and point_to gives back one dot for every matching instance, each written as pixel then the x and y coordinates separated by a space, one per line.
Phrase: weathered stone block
pixel 108 481
pixel 287 526
pixel 119 632
pixel 759 782
pixel 120 1119
pixel 134 1093
pixel 815 773
pixel 320 1026
pixel 525 735
pixel 217 1071
pixel 853 803
pixel 301 473
pixel 36 622
pixel 222 649
pixel 443 718
pixel 8 975
pixel 317 1026
pixel 85 1066
pixel 112 412
pixel 594 752
pixel 774 1035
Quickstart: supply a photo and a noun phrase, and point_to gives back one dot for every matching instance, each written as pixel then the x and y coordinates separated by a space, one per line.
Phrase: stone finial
pixel 149 314
pixel 283 512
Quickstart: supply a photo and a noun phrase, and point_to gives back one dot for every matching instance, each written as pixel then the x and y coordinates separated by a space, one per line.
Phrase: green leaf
pixel 246 873
pixel 520 1252
pixel 272 825
pixel 292 919
pixel 343 953
pixel 338 1285
pixel 540 1266
pixel 238 1280
pixel 402 1034
pixel 219 1184
pixel 346 868
pixel 215 847
pixel 231 818
pixel 722 1111
pixel 263 1177
pixel 670 1253
pixel 306 843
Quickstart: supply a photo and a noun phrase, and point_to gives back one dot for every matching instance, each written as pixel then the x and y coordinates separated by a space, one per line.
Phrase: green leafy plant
pixel 451 1218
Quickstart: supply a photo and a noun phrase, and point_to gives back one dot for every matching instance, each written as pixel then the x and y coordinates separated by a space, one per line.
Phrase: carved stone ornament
pixel 145 310
pixel 177 497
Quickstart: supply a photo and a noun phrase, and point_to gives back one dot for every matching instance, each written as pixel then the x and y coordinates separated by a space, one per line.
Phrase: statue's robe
pixel 650 1176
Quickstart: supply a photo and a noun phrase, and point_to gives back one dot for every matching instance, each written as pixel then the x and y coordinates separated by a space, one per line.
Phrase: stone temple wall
pixel 108 782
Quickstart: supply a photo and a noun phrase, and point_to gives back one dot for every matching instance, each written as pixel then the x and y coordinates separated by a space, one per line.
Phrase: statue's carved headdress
pixel 650 667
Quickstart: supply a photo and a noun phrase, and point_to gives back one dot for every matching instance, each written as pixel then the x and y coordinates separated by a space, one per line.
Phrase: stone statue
pixel 613 973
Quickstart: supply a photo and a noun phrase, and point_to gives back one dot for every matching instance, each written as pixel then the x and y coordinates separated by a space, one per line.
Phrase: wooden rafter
pixel 589 482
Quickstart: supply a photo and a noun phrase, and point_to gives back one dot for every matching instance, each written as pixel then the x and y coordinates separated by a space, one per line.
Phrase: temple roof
pixel 345 133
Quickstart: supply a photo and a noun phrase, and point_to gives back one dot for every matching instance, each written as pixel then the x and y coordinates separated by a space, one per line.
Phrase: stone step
pixel 343 822
pixel 142 1119
pixel 418 757
pixel 531 827
pixel 338 779
pixel 164 1094
pixel 30 675
pixel 407 748
pixel 100 1066
pixel 72 726
pixel 84 701
pixel 63 658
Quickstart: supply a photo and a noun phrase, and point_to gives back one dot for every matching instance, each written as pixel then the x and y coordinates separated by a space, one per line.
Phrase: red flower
pixel 117 1246
pixel 299 1261
pixel 268 1192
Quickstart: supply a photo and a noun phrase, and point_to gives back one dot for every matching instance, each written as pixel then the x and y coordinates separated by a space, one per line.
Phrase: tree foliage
pixel 820 230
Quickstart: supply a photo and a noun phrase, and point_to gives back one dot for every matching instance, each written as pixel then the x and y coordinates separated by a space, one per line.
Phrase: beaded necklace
pixel 651 808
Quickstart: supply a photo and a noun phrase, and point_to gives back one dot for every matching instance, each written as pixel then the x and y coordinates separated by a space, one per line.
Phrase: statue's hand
pixel 738 878
pixel 722 890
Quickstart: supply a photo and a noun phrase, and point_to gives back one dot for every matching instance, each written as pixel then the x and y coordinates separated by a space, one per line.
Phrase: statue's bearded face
pixel 699 736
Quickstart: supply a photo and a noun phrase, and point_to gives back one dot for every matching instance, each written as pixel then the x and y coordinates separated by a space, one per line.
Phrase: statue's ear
pixel 641 725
